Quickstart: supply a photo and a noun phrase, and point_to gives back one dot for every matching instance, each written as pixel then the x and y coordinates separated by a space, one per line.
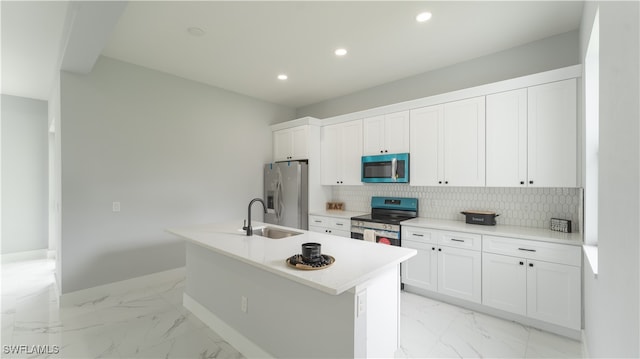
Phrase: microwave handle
pixel 394 169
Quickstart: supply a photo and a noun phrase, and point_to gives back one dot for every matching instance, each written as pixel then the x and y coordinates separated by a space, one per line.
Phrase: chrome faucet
pixel 247 226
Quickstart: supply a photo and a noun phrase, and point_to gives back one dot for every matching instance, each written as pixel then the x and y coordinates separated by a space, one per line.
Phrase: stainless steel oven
pixel 383 223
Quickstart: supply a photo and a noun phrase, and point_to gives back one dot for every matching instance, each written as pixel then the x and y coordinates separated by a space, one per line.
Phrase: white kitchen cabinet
pixel 507 139
pixel 386 134
pixel 330 225
pixel 543 283
pixel 504 283
pixel 447 262
pixel 341 148
pixel 553 293
pixel 447 144
pixel 531 136
pixel 291 143
pixel 552 134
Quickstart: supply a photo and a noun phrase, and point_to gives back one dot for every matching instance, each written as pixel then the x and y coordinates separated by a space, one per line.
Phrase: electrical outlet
pixel 115 206
pixel 244 304
pixel 361 302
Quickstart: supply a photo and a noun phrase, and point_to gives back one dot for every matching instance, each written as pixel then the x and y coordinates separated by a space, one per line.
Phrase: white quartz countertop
pixel 337 214
pixel 536 234
pixel 356 261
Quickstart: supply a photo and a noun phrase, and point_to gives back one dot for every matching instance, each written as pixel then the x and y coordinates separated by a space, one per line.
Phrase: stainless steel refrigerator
pixel 286 193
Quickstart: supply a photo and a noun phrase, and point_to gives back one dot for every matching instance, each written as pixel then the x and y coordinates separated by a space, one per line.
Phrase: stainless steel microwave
pixel 392 168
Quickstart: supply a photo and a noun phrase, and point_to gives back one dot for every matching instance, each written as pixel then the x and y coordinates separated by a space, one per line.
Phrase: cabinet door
pixel 282 141
pixel 425 146
pixel 553 293
pixel 396 132
pixel 464 142
pixel 552 134
pixel 299 143
pixel 330 140
pixel 350 155
pixel 459 273
pixel 507 139
pixel 421 270
pixel 373 135
pixel 504 283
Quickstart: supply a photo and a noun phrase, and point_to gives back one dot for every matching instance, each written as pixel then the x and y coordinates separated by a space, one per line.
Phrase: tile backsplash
pixel 527 207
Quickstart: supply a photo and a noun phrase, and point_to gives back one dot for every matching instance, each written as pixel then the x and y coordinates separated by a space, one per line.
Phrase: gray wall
pixel 547 54
pixel 24 174
pixel 612 301
pixel 173 152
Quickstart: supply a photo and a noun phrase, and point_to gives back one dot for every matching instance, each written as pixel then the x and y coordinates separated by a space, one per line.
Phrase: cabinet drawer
pixel 544 251
pixel 343 224
pixel 461 240
pixel 419 235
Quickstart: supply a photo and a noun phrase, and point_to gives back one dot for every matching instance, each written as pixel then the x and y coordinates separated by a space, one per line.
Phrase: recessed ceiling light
pixel 423 16
pixel 195 31
pixel 340 52
pixel 282 77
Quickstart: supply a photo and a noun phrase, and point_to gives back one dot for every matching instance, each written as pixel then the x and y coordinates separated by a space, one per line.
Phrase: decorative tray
pixel 297 262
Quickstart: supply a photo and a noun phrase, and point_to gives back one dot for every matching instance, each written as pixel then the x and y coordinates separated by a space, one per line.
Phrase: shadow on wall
pixel 108 267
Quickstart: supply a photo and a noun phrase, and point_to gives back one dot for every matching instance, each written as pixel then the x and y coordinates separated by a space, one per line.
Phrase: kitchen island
pixel 244 290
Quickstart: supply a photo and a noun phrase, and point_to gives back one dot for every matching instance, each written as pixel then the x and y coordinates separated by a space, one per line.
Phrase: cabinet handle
pixel 385 151
pixel 381 151
pixel 439 249
pixel 521 182
pixel 530 264
pixel 317 221
pixel 439 182
pixel 433 248
pixel 446 182
pixel 457 240
pixel 526 249
pixel 530 182
pixel 417 235
pixel 339 224
pixel 521 263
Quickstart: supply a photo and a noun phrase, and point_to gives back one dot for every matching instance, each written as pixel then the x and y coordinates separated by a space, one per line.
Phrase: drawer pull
pixel 317 221
pixel 526 249
pixel 339 224
pixel 417 234
pixel 457 240
pixel 521 263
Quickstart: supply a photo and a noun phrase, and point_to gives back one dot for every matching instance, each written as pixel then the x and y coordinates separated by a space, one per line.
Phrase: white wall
pixel 24 174
pixel 538 56
pixel 173 152
pixel 612 301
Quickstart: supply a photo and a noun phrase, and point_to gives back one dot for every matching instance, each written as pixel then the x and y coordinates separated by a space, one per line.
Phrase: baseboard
pixel 158 278
pixel 245 346
pixel 25 256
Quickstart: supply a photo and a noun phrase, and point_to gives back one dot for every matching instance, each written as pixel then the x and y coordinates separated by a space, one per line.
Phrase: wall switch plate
pixel 115 206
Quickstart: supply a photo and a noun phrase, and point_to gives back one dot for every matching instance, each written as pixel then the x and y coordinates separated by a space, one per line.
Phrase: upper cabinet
pixel 447 144
pixel 291 144
pixel 386 134
pixel 531 136
pixel 341 153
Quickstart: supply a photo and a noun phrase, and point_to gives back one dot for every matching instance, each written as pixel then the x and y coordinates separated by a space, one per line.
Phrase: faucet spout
pixel 248 227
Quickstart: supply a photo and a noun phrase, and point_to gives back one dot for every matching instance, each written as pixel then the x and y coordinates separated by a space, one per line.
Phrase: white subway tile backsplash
pixel 528 207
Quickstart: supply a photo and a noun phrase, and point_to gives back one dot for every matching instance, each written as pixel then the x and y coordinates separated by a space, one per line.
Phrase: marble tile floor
pixel 150 322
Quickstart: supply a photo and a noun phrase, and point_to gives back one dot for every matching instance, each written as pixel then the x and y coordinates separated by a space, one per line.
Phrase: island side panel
pixel 284 318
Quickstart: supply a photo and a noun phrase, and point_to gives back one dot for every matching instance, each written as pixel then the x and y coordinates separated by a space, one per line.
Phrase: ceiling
pixel 245 45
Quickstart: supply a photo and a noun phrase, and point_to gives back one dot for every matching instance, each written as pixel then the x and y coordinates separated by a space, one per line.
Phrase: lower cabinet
pixel 447 262
pixel 534 279
pixel 330 225
pixel 541 280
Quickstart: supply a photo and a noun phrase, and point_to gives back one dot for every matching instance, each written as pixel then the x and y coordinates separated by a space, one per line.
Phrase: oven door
pixel 384 237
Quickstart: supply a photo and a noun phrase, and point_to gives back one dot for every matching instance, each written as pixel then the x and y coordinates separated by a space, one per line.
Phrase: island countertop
pixel 356 261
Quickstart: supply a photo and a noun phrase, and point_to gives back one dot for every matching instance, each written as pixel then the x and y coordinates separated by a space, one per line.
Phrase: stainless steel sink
pixel 275 233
